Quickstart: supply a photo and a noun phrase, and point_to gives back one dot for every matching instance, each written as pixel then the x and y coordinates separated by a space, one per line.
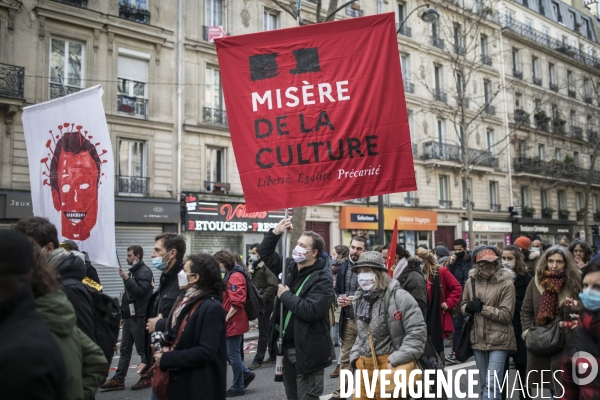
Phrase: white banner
pixel 71 168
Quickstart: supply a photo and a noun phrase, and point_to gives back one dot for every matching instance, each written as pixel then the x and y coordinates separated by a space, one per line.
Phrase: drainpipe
pixel 179 119
pixel 506 127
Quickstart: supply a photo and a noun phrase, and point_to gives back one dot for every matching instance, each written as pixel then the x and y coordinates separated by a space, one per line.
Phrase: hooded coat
pixel 492 327
pixel 412 280
pixel 405 323
pixel 72 271
pixel 85 362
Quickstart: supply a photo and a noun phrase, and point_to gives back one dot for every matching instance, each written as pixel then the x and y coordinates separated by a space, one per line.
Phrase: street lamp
pixel 430 15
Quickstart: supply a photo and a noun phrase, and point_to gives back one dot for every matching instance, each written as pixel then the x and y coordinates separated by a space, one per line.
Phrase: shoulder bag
pixel 463 344
pixel 545 340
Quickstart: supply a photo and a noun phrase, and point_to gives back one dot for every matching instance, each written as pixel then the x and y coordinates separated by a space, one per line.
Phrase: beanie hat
pixel 523 242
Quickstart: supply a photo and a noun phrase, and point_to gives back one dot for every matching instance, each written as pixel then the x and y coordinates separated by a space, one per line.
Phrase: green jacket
pixel 265 281
pixel 85 362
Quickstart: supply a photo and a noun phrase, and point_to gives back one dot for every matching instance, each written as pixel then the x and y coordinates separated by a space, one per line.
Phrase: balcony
pixel 554 169
pixel 464 205
pixel 575 131
pixel 353 10
pixel 464 102
pixel 554 86
pixel 558 126
pixel 76 3
pixel 518 74
pixel 588 99
pixel 415 149
pixel 460 50
pixel 132 185
pixel 409 87
pixel 563 214
pixel 495 207
pixel 440 95
pixel 572 93
pixel 437 42
pixel 487 60
pixel 133 13
pixel 56 90
pixel 12 81
pixel 490 109
pixel 404 31
pixel 445 203
pixel 215 116
pixel 592 136
pixel 449 152
pixel 217 187
pixel 411 202
pixel 537 81
pixel 134 106
pixel 521 117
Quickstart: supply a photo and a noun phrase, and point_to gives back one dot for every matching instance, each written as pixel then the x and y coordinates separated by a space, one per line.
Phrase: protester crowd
pixel 384 310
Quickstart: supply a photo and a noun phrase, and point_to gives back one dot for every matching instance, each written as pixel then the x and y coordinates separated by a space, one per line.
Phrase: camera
pixel 158 340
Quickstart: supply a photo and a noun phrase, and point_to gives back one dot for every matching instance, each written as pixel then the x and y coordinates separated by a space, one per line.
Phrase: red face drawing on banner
pixel 74 177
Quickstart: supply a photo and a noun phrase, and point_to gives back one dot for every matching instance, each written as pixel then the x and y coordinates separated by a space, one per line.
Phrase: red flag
pixel 391 259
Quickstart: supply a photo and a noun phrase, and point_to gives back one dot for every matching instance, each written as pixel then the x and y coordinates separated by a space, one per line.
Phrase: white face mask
pixel 182 279
pixel 508 264
pixel 534 253
pixel 299 254
pixel 367 280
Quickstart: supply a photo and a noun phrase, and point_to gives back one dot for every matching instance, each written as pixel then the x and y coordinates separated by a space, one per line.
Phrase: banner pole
pixel 284 251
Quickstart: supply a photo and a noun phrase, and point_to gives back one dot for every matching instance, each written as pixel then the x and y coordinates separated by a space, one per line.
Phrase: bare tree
pixel 290 8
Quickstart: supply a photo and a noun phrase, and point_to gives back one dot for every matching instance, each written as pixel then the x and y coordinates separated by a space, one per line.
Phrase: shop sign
pixel 545 229
pixel 18 205
pixel 227 217
pixel 147 211
pixel 488 226
pixel 408 219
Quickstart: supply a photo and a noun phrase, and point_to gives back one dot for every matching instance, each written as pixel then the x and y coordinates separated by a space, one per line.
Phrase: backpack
pixel 255 304
pixel 107 318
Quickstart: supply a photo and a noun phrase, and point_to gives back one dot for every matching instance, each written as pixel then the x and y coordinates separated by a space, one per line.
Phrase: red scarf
pixel 553 282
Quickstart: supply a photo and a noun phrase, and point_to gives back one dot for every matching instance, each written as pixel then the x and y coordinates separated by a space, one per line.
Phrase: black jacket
pixel 90 270
pixel 72 272
pixel 138 290
pixel 198 364
pixel 310 320
pixel 162 301
pixel 31 364
pixel 413 281
pixel 521 283
pixel 345 284
pixel 460 269
pixel 265 281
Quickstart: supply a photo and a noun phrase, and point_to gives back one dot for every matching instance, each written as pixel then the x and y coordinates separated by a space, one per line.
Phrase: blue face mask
pixel 159 264
pixel 590 299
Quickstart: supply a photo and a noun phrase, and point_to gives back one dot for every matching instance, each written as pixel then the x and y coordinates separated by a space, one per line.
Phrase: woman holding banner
pixel 389 322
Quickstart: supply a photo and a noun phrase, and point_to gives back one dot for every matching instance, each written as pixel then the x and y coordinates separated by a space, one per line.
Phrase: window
pixel 552 76
pixel 409 199
pixel 68 57
pixel 441 131
pixel 270 22
pixel 132 86
pixel 576 158
pixel 402 13
pixel 525 202
pixel 587 90
pixel 131 166
pixel 579 201
pixel 485 56
pixel 509 16
pixel 528 29
pixel 522 149
pixel 535 70
pixel 596 201
pixel 573 20
pixel 213 13
pixel 518 101
pixel 557 153
pixel 588 29
pixel 589 125
pixel 491 142
pixel 215 165
pixel 516 60
pixel 570 81
pixel 444 193
pixel 556 11
pixel 554 113
pixel 405 63
pixel 214 106
pixel 438 83
pixel 459 86
pixel 541 7
pixel 542 151
pixel 546 37
pixel 459 47
pixel 538 104
pixel 487 91
pixel 562 200
pixel 435 30
pixel 573 118
pixel 545 200
pixel 130 9
pixel 494 206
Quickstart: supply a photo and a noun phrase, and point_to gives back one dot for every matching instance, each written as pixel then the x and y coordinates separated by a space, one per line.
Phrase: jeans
pixel 335 334
pixel 263 335
pixel 152 396
pixel 240 371
pixel 134 331
pixel 521 369
pixel 489 362
pixel 458 322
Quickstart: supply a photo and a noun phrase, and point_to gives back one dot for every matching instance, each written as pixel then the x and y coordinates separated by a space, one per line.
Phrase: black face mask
pixel 460 254
pixel 525 253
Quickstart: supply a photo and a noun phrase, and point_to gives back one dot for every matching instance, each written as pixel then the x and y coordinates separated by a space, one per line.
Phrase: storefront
pixel 549 231
pixel 493 233
pixel 415 227
pixel 14 206
pixel 212 226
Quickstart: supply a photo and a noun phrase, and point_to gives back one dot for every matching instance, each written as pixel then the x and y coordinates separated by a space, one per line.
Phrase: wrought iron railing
pixel 445 203
pixel 56 90
pixel 575 131
pixel 458 49
pixel 588 99
pixel 464 205
pixel 572 93
pixel 76 3
pixel 132 185
pixel 411 202
pixel 12 81
pixel 215 116
pixel 437 42
pixel 495 207
pixel 522 117
pixel 450 152
pixel 135 106
pixel 415 149
pixel 490 109
pixel 464 102
pixel 518 74
pixel 217 187
pixel 351 11
pixel 554 169
pixel 409 87
pixel 404 31
pixel 440 95
pixel 592 136
pixel 537 81
pixel 554 86
pixel 487 60
pixel 133 13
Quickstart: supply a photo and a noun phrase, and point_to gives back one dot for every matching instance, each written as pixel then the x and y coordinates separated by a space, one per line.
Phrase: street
pixel 264 387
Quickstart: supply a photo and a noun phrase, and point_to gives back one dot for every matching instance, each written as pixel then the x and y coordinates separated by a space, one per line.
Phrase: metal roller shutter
pixel 211 242
pixel 5 226
pixel 126 236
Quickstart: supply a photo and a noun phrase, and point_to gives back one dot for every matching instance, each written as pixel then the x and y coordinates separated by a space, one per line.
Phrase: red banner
pixel 317 113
